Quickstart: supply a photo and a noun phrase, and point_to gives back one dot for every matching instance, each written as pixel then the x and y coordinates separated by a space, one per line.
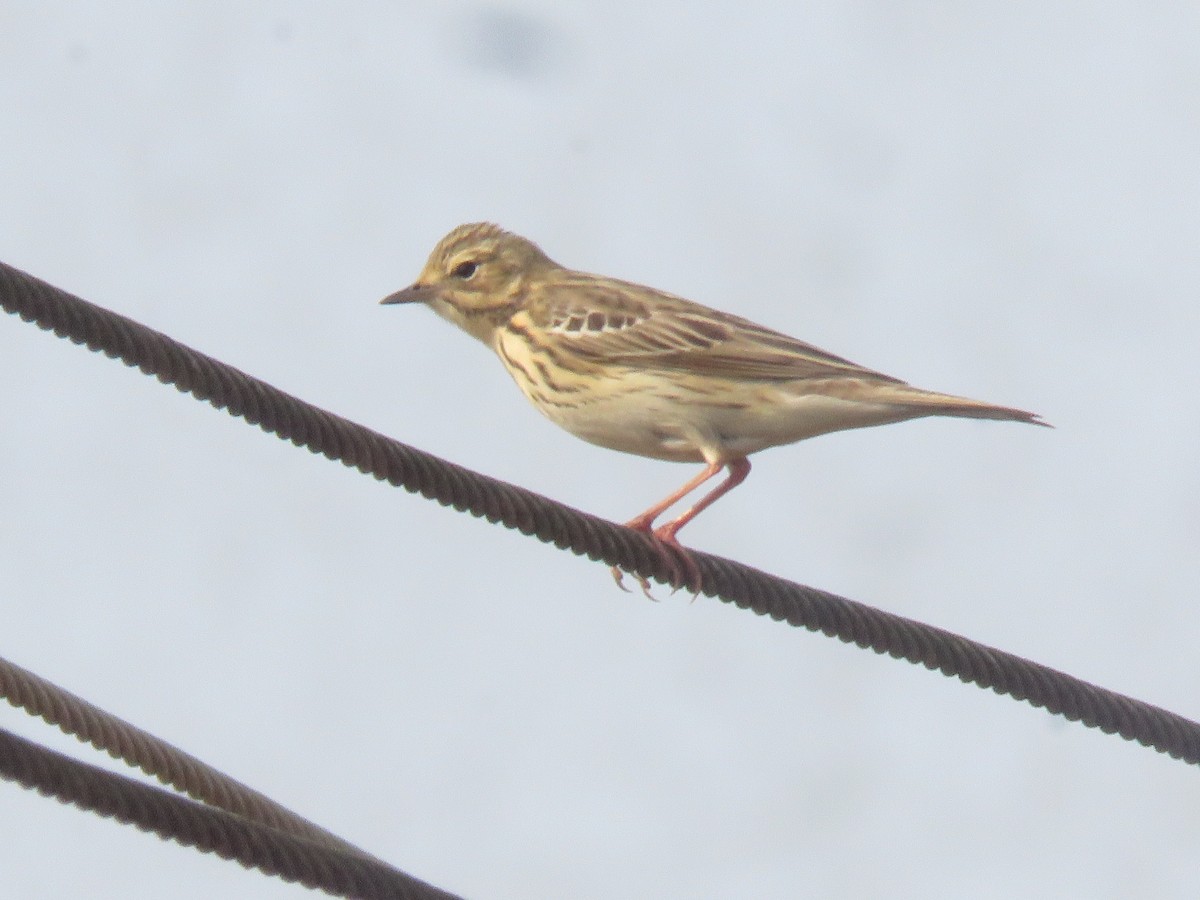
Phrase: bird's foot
pixel 684 573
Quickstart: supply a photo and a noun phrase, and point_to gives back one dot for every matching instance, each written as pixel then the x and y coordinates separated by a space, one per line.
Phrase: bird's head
pixel 476 277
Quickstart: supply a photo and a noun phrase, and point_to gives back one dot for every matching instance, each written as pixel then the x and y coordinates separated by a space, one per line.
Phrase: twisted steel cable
pixel 173 767
pixel 323 432
pixel 312 863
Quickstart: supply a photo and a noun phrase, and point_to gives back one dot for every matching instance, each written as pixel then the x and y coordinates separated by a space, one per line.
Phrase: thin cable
pixel 312 863
pixel 398 464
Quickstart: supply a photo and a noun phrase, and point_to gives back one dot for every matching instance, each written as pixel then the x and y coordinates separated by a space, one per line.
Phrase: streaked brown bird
pixel 635 369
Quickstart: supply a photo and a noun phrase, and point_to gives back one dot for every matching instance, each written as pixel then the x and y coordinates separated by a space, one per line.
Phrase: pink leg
pixel 683 567
pixel 645 521
pixel 738 470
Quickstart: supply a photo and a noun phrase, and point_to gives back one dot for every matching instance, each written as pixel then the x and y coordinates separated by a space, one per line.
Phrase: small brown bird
pixel 639 370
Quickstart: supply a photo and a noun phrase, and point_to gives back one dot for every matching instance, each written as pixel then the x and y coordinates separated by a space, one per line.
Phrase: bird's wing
pixel 607 321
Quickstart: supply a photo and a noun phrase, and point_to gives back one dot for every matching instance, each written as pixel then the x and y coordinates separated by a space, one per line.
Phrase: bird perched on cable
pixel 635 369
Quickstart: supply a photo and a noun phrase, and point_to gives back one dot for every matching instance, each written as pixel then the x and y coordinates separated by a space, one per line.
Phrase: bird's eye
pixel 465 270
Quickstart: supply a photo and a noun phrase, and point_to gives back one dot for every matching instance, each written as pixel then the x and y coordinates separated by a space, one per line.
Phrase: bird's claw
pixel 683 571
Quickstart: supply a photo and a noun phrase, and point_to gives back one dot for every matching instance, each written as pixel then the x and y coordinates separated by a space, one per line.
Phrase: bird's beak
pixel 415 293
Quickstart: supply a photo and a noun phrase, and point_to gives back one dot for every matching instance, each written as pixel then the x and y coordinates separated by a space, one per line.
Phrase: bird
pixel 635 369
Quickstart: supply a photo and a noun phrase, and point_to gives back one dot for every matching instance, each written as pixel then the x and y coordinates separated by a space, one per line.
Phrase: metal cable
pixel 173 767
pixel 314 864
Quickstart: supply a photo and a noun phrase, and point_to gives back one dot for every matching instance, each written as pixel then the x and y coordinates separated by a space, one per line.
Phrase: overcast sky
pixel 996 200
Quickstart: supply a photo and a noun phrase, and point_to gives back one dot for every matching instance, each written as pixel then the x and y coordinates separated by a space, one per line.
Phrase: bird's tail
pixel 928 403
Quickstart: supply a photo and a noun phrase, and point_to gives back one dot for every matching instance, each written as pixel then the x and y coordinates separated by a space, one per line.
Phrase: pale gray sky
pixel 1001 201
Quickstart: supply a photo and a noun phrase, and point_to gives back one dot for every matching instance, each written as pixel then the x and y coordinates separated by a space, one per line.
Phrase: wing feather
pixel 604 320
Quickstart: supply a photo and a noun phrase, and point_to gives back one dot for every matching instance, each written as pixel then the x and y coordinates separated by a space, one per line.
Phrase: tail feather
pixel 928 403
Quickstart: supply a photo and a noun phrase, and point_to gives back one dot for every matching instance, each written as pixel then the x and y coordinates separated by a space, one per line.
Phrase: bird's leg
pixel 645 522
pixel 683 569
pixel 738 470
